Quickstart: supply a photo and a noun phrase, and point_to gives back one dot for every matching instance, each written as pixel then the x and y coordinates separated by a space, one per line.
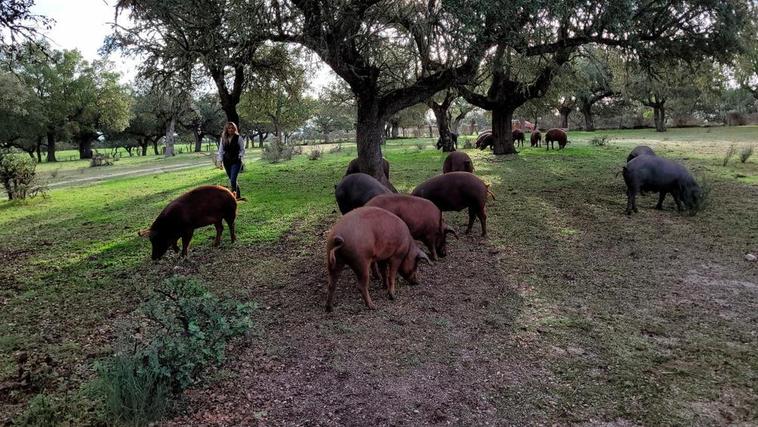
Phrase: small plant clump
pixel 600 141
pixel 278 151
pixel 467 145
pixel 420 146
pixel 745 153
pixel 336 149
pixel 729 153
pixel 315 154
pixel 98 160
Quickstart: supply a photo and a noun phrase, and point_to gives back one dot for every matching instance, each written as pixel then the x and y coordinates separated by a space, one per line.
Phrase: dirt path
pixel 128 173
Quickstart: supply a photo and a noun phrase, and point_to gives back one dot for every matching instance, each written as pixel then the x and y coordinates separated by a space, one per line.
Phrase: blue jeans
pixel 232 170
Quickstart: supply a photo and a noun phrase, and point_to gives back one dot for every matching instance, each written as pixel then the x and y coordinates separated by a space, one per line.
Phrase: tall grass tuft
pixel 745 153
pixel 729 153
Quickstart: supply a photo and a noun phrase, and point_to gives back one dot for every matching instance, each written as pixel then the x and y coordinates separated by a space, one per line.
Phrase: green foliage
pixel 729 153
pixel 336 149
pixel 42 411
pixel 18 175
pixel 185 329
pixel 745 153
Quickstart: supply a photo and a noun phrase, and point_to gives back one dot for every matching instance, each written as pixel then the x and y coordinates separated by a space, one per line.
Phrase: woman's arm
pixel 220 152
pixel 241 142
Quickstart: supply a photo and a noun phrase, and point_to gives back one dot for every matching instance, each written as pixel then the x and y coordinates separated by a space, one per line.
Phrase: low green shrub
pixel 182 330
pixel 278 151
pixel 18 173
pixel 315 154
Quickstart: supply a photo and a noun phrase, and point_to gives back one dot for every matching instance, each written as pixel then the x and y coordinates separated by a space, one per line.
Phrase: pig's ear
pixel 421 256
pixel 145 233
pixel 449 229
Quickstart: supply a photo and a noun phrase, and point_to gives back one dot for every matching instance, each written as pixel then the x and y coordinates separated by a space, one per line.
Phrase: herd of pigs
pixel 378 230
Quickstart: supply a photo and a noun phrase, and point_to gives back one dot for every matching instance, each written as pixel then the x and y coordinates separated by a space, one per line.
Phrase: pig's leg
pixel 471 216
pixel 174 246
pixel 383 269
pixel 482 215
pixel 334 277
pixel 230 223
pixel 631 200
pixel 678 201
pixel 186 237
pixel 432 246
pixel 393 267
pixel 363 279
pixel 662 196
pixel 219 229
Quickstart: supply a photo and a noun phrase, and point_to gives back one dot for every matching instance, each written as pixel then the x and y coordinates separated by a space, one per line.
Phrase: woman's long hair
pixel 225 137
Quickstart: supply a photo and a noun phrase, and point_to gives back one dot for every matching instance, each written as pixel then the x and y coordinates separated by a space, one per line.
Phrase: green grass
pixel 72 262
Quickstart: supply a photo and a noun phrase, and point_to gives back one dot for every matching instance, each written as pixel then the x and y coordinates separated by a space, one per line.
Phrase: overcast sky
pixel 84 24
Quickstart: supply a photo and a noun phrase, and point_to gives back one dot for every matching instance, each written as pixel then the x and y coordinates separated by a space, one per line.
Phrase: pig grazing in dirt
pixel 518 137
pixel 196 208
pixel 356 189
pixel 370 235
pixel 535 138
pixel 423 218
pixel 353 167
pixel 455 191
pixel 656 174
pixel 640 150
pixel 556 135
pixel 457 161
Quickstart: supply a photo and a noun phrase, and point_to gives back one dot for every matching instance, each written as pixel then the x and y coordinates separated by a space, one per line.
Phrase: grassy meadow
pixel 569 312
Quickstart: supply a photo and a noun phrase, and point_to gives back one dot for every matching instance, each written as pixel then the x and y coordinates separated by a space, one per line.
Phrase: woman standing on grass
pixel 231 151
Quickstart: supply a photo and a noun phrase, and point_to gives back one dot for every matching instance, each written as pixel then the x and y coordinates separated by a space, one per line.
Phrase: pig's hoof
pixel 329 308
pixel 660 208
pixel 371 306
pixel 391 296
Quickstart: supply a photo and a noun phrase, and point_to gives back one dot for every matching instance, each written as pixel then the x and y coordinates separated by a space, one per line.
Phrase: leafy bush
pixel 98 160
pixel 600 141
pixel 336 149
pixel 19 176
pixel 745 153
pixel 729 153
pixel 184 330
pixel 420 146
pixel 42 411
pixel 467 145
pixel 315 154
pixel 278 151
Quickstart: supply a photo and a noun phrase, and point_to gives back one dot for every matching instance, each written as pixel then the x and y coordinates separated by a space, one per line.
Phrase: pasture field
pixel 570 312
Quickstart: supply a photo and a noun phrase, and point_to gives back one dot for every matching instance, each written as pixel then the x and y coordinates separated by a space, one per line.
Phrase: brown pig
pixel 206 205
pixel 518 137
pixel 535 138
pixel 370 235
pixel 423 218
pixel 457 161
pixel 556 135
pixel 455 191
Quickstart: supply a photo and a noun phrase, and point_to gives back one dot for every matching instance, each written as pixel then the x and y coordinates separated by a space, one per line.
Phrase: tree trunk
pixel 502 131
pixel 39 150
pixel 589 120
pixel 443 127
pixel 85 148
pixel 369 138
pixel 51 147
pixel 199 141
pixel 260 140
pixel 564 111
pixel 395 133
pixel 230 109
pixel 169 141
pixel 659 114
